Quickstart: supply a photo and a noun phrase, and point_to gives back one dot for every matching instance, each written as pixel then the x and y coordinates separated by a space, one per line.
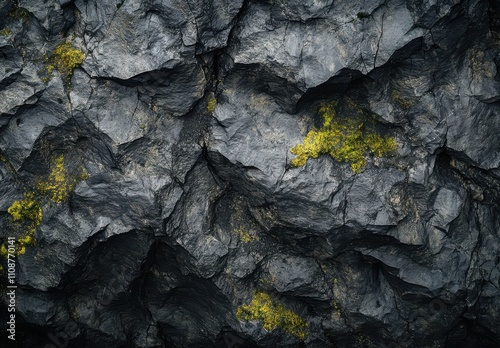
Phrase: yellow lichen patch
pixel 27 209
pixel 246 237
pixel 211 104
pixel 65 58
pixel 5 32
pixel 19 249
pixel 273 315
pixel 27 215
pixel 344 140
pixel 378 145
pixel 59 184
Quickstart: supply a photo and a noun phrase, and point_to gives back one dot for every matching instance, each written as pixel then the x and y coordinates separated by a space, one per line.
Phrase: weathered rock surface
pixel 183 114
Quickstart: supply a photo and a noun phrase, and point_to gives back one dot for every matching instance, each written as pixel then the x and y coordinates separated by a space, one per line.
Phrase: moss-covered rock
pixel 27 213
pixel 65 58
pixel 273 315
pixel 344 140
pixel 60 183
pixel 211 104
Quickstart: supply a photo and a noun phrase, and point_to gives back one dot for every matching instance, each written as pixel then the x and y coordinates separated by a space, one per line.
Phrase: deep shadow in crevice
pixel 469 334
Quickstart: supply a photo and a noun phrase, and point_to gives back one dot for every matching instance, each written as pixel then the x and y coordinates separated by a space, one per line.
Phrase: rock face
pixel 183 114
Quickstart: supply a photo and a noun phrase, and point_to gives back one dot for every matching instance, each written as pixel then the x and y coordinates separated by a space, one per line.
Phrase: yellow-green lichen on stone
pixel 273 315
pixel 60 183
pixel 27 209
pixel 27 214
pixel 345 140
pixel 5 32
pixel 211 104
pixel 246 236
pixel 65 58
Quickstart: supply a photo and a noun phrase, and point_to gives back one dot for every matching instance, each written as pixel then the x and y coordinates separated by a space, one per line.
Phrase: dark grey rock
pixel 50 14
pixel 302 277
pixel 184 113
pixel 5 6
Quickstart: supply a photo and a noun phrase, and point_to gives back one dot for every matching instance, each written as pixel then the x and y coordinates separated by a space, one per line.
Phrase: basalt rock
pixel 180 120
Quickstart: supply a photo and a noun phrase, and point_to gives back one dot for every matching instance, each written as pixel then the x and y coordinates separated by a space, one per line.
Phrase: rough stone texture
pixel 187 212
